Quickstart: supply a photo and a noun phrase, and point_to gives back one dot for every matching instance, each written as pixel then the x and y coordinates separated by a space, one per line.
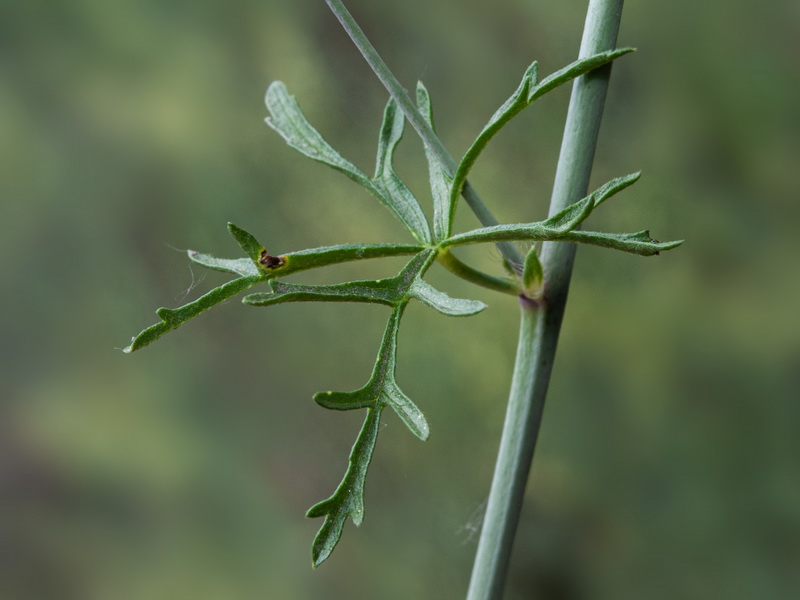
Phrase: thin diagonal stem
pixel 541 322
pixel 500 284
pixel 428 136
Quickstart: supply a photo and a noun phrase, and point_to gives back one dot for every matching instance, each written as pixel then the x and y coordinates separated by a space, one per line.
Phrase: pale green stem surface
pixel 463 270
pixel 428 136
pixel 541 322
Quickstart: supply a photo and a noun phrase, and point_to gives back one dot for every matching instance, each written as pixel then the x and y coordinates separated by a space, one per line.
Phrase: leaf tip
pixel 320 509
pixel 320 553
pixel 423 97
pixel 272 89
pixel 323 399
pixel 671 245
pixel 532 73
pixel 410 414
pixel 328 535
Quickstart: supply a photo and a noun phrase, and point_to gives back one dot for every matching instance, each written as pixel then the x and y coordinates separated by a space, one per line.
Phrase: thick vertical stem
pixel 540 324
pixel 579 141
pixel 521 428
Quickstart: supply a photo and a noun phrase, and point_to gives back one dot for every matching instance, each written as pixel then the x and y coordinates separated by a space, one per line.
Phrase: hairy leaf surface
pixel 251 273
pixel 399 198
pixel 529 90
pixel 562 227
pixel 289 121
pixel 433 242
pixel 440 181
pixel 348 499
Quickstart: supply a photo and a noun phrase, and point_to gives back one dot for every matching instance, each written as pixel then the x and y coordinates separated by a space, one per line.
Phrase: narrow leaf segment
pixel 252 271
pixel 348 499
pixel 562 227
pixel 391 292
pixel 529 90
pixel 289 121
pixel 392 190
pixel 174 318
pixel 380 391
pixel 440 181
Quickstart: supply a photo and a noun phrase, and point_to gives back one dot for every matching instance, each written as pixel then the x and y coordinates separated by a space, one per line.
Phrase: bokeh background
pixel 669 462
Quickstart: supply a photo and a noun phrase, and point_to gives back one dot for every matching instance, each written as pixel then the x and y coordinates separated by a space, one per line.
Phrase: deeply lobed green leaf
pixel 252 272
pixel 381 389
pixel 529 90
pixel 562 227
pixel 289 121
pixel 348 499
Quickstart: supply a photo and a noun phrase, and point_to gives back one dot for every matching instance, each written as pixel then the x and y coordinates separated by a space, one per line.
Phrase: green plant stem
pixel 520 431
pixel 428 136
pixel 456 266
pixel 541 321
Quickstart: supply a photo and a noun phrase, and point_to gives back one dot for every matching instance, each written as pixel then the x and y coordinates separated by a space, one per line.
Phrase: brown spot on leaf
pixel 271 262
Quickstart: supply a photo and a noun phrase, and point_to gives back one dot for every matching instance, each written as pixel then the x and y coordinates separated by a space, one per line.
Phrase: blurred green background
pixel 669 462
